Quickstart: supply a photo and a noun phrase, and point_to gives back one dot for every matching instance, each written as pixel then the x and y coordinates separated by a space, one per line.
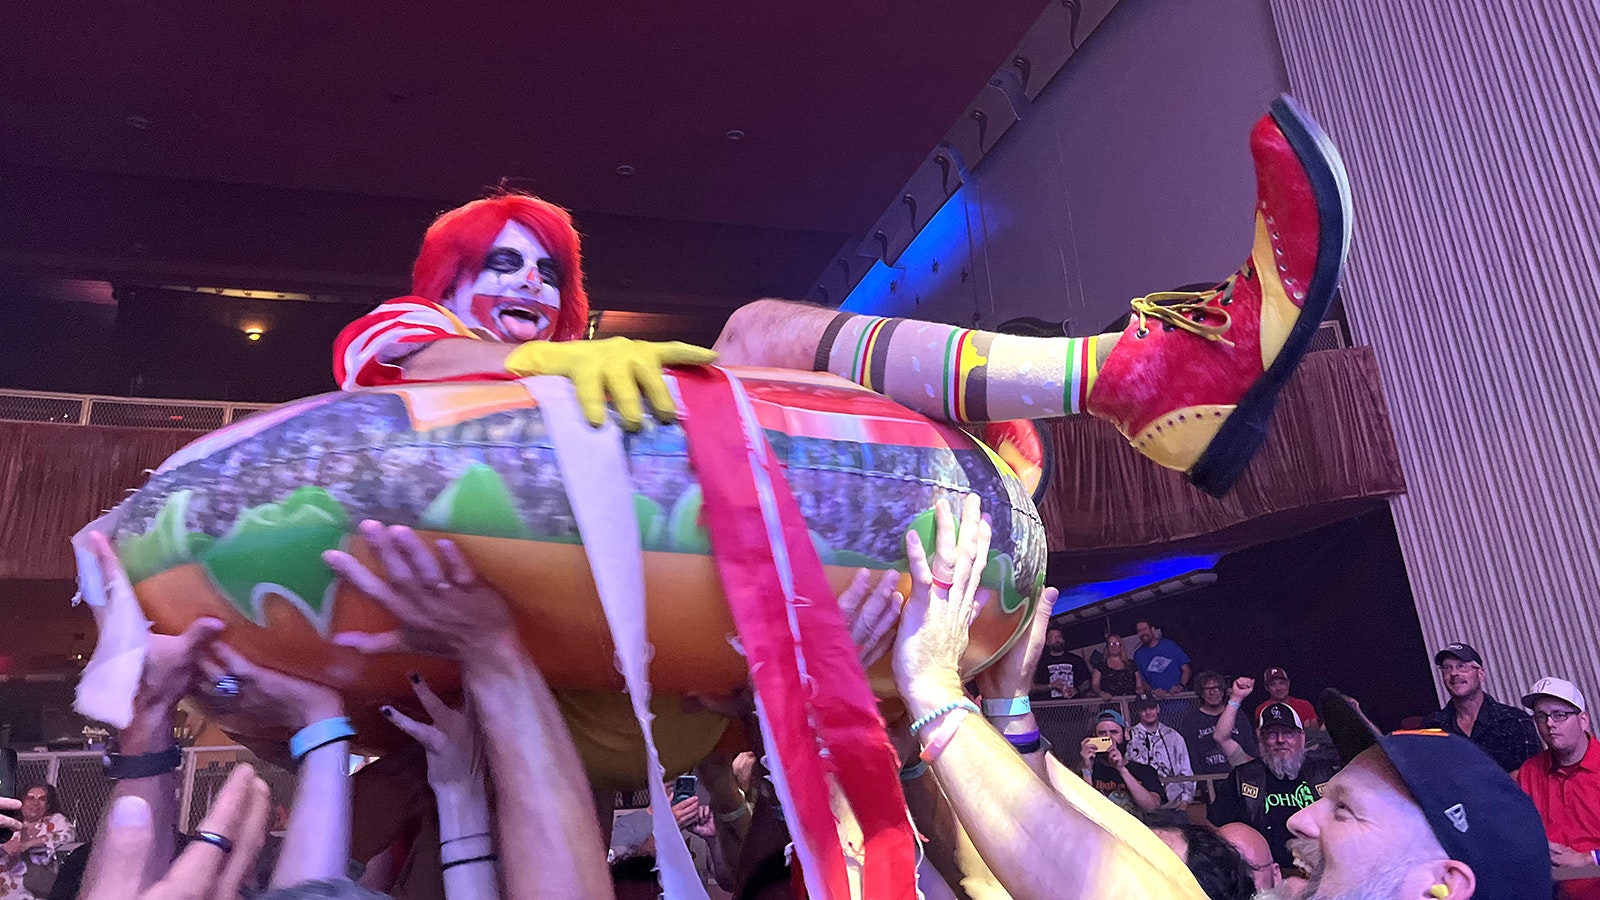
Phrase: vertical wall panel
pixel 1471 129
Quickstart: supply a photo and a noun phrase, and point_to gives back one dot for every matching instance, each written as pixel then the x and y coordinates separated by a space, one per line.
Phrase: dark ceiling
pixel 838 101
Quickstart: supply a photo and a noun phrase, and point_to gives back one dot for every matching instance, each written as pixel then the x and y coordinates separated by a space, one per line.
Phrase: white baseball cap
pixel 1559 688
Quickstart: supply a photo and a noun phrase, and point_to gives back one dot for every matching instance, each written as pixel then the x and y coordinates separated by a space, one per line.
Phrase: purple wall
pixel 1129 174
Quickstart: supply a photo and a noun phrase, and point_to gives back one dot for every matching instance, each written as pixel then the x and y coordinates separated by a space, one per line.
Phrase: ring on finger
pixel 221 842
pixel 941 584
pixel 228 686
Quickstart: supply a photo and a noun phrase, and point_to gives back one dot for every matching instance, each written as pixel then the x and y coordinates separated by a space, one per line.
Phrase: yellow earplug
pixel 1439 891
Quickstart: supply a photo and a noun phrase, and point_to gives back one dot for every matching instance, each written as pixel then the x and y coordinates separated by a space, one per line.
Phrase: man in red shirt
pixel 1276 681
pixel 1564 780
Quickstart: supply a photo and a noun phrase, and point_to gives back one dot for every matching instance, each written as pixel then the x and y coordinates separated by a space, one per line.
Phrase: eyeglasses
pixel 1451 667
pixel 1559 716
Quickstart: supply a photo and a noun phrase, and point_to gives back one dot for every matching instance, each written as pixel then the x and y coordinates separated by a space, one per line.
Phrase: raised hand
pixel 1242 688
pixel 1012 675
pixel 616 367
pixel 455 755
pixel 265 696
pixel 238 817
pixel 871 608
pixel 944 600
pixel 443 607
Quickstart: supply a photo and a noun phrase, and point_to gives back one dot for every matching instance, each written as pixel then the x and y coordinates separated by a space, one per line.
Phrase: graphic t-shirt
pixel 1276 799
pixel 1162 664
pixel 1109 781
pixel 1199 731
pixel 1067 667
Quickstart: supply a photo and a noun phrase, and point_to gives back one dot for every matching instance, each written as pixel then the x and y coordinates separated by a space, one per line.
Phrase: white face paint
pixel 515 298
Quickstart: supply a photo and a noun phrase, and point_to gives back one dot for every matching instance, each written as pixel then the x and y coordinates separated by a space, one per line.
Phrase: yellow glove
pixel 616 367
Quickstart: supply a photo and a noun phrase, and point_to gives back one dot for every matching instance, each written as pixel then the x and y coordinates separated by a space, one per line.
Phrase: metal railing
pixel 128 412
pixel 83 788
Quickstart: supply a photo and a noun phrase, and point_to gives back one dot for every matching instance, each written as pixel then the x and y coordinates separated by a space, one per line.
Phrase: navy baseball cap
pixel 1480 816
pixel 1457 650
pixel 1111 715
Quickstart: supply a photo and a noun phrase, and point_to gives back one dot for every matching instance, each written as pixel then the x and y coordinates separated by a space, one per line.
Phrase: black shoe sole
pixel 1245 430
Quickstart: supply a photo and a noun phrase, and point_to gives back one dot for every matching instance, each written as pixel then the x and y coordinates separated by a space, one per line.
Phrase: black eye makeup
pixel 503 260
pixel 549 272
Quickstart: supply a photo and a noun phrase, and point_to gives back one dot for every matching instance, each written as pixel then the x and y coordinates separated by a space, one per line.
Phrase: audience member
pixel 1564 780
pixel 29 860
pixel 1264 793
pixel 1252 847
pixel 1214 862
pixel 1416 815
pixel 1199 725
pixel 1061 674
pixel 1276 681
pixel 1116 675
pixel 1504 732
pixel 1161 748
pixel 1161 661
pixel 1130 784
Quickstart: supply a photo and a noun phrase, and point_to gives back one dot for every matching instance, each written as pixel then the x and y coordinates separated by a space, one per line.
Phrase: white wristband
pixel 1016 706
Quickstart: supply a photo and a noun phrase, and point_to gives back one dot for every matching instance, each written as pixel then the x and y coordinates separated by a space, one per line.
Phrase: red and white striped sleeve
pixel 364 348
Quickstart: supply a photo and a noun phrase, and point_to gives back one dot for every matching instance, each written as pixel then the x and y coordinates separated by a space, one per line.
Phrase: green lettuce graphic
pixel 652 523
pixel 685 534
pixel 166 545
pixel 999 573
pixel 477 503
pixel 286 539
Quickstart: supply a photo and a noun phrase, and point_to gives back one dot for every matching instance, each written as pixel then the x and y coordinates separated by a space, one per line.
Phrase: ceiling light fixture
pixel 253 331
pixel 626 170
pixel 735 134
pixel 138 123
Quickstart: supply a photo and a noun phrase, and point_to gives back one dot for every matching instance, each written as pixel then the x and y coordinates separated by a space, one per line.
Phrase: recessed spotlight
pixel 626 170
pixel 138 123
pixel 735 134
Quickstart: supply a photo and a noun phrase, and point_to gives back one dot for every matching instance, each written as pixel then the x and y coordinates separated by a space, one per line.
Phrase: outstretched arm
pixel 1017 821
pixel 549 839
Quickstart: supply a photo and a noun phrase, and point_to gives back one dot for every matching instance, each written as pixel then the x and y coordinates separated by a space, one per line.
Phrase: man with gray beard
pixel 1265 792
pixel 1418 815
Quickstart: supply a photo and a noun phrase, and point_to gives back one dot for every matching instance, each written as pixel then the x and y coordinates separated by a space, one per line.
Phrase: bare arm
pixel 316 845
pixel 776 333
pixel 550 840
pixel 448 358
pixel 1017 821
pixel 1240 689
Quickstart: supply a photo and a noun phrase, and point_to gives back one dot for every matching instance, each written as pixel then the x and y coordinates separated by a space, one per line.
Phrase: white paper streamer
pixel 111 679
pixel 595 470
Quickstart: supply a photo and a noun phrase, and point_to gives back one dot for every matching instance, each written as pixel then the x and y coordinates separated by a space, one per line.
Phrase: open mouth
pixel 516 319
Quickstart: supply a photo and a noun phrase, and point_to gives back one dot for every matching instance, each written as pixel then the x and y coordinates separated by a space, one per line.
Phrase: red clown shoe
pixel 1193 379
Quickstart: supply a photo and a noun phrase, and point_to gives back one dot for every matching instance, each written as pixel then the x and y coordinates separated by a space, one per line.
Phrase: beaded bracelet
pixel 952 706
pixel 944 733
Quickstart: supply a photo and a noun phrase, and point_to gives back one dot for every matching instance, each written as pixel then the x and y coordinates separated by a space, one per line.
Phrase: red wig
pixel 458 242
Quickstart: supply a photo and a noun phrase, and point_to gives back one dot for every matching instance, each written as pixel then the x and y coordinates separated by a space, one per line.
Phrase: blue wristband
pixel 1016 706
pixel 320 734
pixel 925 721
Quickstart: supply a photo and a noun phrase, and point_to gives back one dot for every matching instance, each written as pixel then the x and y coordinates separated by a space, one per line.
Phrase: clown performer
pixel 1190 381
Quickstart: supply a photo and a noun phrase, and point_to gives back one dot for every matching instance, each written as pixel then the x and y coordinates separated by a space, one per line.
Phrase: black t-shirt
pixel 1123 682
pixel 1278 800
pixel 1109 781
pixel 1067 666
pixel 1198 728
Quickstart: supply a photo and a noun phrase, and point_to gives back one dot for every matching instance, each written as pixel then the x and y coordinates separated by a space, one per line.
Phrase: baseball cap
pixel 1458 650
pixel 1279 714
pixel 1559 688
pixel 1111 715
pixel 1275 673
pixel 1479 816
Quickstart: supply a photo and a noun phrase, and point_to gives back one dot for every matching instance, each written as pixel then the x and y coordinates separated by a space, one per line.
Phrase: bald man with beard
pixel 1419 815
pixel 1257 855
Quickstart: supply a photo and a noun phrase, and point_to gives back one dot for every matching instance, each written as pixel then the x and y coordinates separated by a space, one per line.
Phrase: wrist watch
pixel 119 767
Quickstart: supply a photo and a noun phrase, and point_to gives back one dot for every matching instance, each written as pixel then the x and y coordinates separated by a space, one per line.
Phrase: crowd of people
pixel 1347 813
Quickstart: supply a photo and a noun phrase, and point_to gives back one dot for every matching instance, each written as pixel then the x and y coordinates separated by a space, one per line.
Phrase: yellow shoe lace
pixel 1177 309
